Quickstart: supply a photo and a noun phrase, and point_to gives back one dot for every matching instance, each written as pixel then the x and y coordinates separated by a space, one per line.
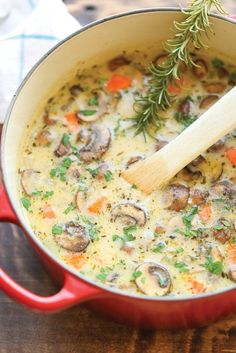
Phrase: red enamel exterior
pixel 150 313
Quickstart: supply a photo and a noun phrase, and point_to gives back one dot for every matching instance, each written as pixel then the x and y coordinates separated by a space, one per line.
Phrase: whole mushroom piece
pixel 97 144
pixel 129 213
pixel 74 238
pixel 30 179
pixel 179 195
pixel 155 279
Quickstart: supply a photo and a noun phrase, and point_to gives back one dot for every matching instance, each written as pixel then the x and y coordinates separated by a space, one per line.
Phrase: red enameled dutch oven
pixel 96 42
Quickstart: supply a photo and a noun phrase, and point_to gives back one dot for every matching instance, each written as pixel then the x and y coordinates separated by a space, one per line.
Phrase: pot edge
pixel 19 214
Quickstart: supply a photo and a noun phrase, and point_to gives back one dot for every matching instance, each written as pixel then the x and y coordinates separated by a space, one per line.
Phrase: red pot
pixel 98 41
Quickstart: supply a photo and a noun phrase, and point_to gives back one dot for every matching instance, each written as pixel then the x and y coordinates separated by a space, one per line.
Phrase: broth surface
pixel 177 241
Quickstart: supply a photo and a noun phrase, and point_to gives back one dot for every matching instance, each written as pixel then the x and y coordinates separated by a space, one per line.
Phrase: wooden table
pixel 78 330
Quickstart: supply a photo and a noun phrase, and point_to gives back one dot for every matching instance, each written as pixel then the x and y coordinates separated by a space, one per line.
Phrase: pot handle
pixel 71 292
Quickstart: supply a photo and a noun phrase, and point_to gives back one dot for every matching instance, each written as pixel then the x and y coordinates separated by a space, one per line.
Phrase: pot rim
pixel 26 227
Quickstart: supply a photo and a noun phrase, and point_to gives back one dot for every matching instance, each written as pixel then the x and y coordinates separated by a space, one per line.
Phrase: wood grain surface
pixel 78 330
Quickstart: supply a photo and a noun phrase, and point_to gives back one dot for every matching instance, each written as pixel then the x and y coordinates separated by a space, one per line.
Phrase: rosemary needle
pixel 188 35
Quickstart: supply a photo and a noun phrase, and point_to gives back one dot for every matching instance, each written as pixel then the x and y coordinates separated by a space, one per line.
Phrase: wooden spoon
pixel 158 169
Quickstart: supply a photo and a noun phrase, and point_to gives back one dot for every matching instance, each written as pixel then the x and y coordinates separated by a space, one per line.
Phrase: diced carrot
pixel 118 82
pixel 176 86
pixel 72 122
pixel 76 260
pixel 231 155
pixel 48 211
pixel 231 251
pixel 196 287
pixel 98 205
pixel 205 212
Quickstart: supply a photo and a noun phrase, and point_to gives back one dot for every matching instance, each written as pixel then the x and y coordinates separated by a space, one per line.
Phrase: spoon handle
pixel 159 168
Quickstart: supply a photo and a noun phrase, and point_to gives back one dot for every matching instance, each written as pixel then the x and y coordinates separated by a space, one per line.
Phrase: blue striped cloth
pixel 27 32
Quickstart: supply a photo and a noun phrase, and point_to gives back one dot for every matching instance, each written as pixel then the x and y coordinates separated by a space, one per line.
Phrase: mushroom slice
pixel 159 144
pixel 95 113
pixel 215 87
pixel 200 69
pixel 117 62
pixel 232 272
pixel 208 101
pixel 74 238
pixel 179 195
pixel 97 145
pixel 129 213
pixel 80 200
pixel 217 147
pixel 225 189
pixel 29 181
pixel 154 279
pixel 133 160
pixel 199 196
pixel 44 138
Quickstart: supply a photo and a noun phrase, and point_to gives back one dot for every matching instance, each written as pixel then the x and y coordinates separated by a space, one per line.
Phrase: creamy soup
pixel 180 240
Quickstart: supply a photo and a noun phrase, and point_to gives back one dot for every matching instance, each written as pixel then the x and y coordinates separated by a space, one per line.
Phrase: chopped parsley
pixel 187 220
pixel 65 139
pixel 181 266
pixel 94 172
pixel 91 228
pixel 60 171
pixel 158 247
pixel 186 120
pixel 69 208
pixel 127 234
pixel 217 63
pixel 87 112
pixel 104 272
pixel 93 101
pixel 26 203
pixel 57 229
pixel 135 275
pixel 47 194
pixel 213 267
pixel 108 176
pixel 117 128
pixel 37 192
pixel 67 162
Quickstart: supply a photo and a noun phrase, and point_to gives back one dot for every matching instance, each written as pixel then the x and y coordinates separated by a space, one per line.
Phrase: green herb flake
pixel 181 266
pixel 108 176
pixel 135 275
pixel 180 250
pixel 65 139
pixel 93 101
pixel 57 229
pixel 26 203
pixel 47 194
pixel 37 192
pixel 87 112
pixel 69 208
pixel 67 162
pixel 217 63
pixel 159 247
pixel 213 267
pixel 104 272
pixel 187 220
pixel 93 172
pixel 91 228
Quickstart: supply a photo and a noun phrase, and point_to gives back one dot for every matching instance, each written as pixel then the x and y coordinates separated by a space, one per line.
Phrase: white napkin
pixel 30 28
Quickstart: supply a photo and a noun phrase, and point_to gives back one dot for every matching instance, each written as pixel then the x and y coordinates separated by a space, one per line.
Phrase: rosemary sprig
pixel 188 35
